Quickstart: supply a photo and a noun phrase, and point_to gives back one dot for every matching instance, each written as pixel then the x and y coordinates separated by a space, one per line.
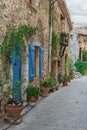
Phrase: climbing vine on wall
pixel 55 45
pixel 14 38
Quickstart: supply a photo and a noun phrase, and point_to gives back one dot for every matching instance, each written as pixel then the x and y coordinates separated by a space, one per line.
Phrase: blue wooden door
pixel 16 67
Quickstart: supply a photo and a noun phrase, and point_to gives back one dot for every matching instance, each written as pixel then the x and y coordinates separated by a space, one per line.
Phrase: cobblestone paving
pixel 65 109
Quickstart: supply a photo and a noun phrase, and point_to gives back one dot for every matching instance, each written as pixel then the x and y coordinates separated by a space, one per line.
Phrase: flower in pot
pixel 47 85
pixel 60 78
pixel 33 93
pixel 66 79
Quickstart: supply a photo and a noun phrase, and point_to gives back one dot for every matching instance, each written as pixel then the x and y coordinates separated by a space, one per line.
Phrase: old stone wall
pixel 19 12
pixel 16 13
pixel 60 23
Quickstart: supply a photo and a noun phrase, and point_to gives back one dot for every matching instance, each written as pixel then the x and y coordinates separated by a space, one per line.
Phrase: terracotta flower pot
pixel 44 91
pixel 32 99
pixel 13 111
pixel 65 83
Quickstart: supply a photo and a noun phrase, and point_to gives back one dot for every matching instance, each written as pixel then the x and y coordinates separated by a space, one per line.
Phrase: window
pixel 35 61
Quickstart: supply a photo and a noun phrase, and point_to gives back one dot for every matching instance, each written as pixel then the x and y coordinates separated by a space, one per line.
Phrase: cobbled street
pixel 65 109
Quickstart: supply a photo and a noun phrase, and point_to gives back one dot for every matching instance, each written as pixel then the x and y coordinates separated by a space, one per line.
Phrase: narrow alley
pixel 66 109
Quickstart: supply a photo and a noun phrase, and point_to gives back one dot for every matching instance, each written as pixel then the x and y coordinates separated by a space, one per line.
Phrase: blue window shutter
pixel 31 62
pixel 41 61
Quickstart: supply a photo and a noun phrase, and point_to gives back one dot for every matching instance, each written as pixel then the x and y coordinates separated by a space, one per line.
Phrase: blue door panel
pixel 16 67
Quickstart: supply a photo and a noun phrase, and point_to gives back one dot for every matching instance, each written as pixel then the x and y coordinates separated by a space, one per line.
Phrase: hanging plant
pixel 55 45
pixel 64 38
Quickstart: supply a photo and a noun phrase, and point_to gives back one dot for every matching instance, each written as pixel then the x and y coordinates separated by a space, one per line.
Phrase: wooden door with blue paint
pixel 16 68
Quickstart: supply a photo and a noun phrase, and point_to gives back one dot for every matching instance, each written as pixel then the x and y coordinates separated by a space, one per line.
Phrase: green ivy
pixel 33 91
pixel 55 44
pixel 54 18
pixel 14 38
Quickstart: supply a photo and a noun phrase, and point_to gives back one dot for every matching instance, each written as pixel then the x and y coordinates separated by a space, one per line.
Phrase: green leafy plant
pixel 71 67
pixel 84 55
pixel 9 92
pixel 55 45
pixel 81 66
pixel 60 78
pixel 14 38
pixel 49 82
pixel 66 78
pixel 64 38
pixel 63 34
pixel 54 18
pixel 33 91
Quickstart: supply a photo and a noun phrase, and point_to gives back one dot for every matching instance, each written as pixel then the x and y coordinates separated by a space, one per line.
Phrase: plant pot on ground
pixel 66 79
pixel 33 93
pixel 60 79
pixel 13 108
pixel 47 85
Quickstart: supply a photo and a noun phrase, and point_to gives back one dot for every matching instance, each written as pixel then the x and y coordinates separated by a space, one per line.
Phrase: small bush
pixel 49 82
pixel 33 91
pixel 81 66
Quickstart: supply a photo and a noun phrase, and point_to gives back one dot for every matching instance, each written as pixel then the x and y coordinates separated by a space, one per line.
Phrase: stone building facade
pixel 34 13
pixel 78 43
pixel 62 23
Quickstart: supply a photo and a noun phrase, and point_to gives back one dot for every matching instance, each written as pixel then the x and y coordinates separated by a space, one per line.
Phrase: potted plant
pixel 66 79
pixel 60 78
pixel 71 71
pixel 13 108
pixel 33 93
pixel 47 85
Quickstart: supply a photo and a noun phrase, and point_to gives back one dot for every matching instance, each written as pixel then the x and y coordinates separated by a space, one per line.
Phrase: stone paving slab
pixel 65 109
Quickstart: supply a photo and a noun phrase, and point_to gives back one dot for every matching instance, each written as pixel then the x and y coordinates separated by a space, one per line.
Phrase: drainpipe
pixel 50 32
